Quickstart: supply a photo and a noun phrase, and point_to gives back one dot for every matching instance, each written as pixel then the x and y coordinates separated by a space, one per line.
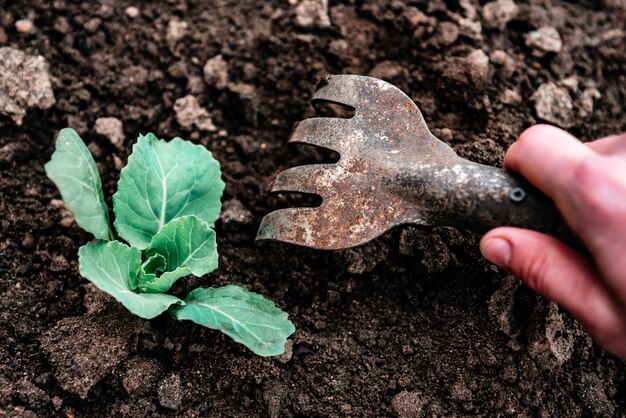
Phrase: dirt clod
pixel 24 84
pixel 170 392
pixel 24 26
pixel 176 30
pixel 500 12
pixel 408 404
pixel 141 375
pixel 470 71
pixel 31 395
pixel 98 344
pixel 551 337
pixel 132 12
pixel 216 72
pixel 189 113
pixel 112 129
pixel 388 70
pixel 543 40
pixel 310 13
pixel 234 211
pixel 554 104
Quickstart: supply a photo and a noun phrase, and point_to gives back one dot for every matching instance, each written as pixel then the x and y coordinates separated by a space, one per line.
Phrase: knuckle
pixel 589 178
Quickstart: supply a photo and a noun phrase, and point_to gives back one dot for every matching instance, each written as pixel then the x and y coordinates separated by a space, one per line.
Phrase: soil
pixel 415 323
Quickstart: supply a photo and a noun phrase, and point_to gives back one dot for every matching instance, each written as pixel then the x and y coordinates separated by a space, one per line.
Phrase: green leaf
pixel 74 172
pixel 149 270
pixel 164 181
pixel 112 267
pixel 188 247
pixel 246 317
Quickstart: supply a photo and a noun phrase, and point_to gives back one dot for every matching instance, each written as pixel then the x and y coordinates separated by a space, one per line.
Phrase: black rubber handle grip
pixel 481 197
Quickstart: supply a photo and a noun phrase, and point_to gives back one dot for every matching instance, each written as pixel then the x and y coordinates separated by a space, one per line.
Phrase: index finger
pixel 547 156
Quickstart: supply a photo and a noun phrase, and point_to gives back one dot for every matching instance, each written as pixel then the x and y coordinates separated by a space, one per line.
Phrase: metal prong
pixel 290 225
pixel 340 89
pixel 328 133
pixel 303 179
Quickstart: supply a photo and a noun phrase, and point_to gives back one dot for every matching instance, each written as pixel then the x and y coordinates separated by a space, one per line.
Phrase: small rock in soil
pixel 170 392
pixel 312 13
pixel 503 59
pixel 447 34
pixel 24 84
pixel 141 375
pixel 216 72
pixel 500 12
pixel 407 404
pixel 176 30
pixel 112 129
pixel 132 12
pixel 57 402
pixel 338 47
pixel 31 395
pixel 24 26
pixel 468 27
pixel 235 211
pixel 189 113
pixel 83 350
pixel 3 36
pixel 93 25
pixel 470 71
pixel 389 70
pixel 571 83
pixel 178 70
pixel 554 104
pixel 67 219
pixel 585 101
pixel 543 40
pixel 510 97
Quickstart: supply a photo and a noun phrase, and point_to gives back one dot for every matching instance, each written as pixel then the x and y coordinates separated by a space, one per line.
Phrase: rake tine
pixel 339 89
pixel 303 179
pixel 291 225
pixel 324 132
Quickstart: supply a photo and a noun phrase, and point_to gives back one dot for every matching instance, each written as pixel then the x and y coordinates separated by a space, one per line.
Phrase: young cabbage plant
pixel 165 207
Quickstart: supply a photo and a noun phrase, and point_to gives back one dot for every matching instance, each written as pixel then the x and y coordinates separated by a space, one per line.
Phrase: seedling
pixel 166 204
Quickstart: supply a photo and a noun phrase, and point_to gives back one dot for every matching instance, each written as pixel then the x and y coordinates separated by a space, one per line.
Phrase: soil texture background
pixel 415 323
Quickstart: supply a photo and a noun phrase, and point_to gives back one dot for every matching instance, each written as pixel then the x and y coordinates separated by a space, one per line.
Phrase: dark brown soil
pixel 417 323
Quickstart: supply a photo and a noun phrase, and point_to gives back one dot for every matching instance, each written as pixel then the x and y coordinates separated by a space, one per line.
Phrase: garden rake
pixel 393 171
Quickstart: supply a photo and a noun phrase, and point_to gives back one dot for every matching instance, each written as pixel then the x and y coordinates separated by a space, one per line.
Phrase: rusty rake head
pixel 368 190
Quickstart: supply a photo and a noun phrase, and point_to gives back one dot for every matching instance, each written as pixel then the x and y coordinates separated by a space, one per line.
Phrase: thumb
pixel 557 271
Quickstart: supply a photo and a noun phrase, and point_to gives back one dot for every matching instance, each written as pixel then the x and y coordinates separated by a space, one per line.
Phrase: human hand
pixel 587 183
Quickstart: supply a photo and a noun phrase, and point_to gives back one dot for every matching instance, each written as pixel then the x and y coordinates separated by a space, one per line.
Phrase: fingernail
pixel 497 250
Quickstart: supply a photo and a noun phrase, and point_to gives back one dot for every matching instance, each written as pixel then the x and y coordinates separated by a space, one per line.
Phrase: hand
pixel 587 182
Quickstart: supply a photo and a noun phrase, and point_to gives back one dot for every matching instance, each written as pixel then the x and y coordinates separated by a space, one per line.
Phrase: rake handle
pixel 481 197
